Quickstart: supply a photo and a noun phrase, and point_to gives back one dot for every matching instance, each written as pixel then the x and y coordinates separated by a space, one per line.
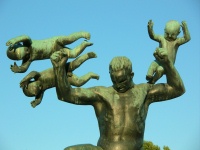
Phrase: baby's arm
pixel 186 34
pixel 20 69
pixel 32 75
pixel 152 35
pixel 23 38
pixel 151 32
pixel 38 99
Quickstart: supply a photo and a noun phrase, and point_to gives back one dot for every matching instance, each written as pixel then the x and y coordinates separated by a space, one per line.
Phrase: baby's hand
pixel 11 42
pixel 150 24
pixel 15 68
pixel 184 24
pixel 24 84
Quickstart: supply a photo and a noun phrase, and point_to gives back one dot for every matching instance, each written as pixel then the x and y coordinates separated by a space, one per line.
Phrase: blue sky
pixel 118 28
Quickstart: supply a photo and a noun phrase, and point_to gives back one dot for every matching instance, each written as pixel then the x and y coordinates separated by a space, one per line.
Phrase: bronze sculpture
pixel 170 42
pixel 27 50
pixel 120 109
pixel 46 79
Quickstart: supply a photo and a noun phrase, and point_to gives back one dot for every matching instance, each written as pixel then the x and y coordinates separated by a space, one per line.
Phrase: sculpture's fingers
pixel 8 43
pixel 54 57
pixel 64 56
pixel 15 64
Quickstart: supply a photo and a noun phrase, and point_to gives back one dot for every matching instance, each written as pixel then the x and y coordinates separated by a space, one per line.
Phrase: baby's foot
pixel 86 43
pixel 86 35
pixel 92 55
pixel 94 75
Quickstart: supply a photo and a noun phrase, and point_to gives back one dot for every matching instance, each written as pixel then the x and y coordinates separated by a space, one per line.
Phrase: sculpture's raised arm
pixel 152 35
pixel 186 34
pixel 63 88
pixel 174 86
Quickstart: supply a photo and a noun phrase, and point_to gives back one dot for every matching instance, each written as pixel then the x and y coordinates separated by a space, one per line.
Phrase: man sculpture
pixel 120 109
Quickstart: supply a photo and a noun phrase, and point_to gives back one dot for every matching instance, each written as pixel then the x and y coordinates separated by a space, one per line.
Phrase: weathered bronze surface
pixel 170 42
pixel 120 109
pixel 27 50
pixel 46 79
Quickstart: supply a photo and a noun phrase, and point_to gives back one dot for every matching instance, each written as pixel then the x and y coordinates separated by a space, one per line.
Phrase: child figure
pixel 35 83
pixel 27 50
pixel 169 41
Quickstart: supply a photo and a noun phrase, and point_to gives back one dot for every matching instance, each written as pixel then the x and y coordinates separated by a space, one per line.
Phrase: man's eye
pixel 123 81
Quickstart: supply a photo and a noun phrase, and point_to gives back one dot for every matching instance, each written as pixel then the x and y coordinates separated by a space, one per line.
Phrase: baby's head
pixel 32 89
pixel 172 30
pixel 17 52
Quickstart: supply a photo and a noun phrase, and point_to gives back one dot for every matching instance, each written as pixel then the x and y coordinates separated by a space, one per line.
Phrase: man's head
pixel 172 30
pixel 17 52
pixel 121 74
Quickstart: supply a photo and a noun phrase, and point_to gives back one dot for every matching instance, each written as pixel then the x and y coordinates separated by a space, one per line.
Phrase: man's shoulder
pixel 100 88
pixel 143 86
pixel 103 90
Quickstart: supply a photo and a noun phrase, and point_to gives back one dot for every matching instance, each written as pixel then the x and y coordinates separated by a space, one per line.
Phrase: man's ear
pixel 179 32
pixel 132 74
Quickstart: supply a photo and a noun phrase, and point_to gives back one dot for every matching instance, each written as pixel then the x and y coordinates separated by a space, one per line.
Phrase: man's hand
pixel 161 55
pixel 59 58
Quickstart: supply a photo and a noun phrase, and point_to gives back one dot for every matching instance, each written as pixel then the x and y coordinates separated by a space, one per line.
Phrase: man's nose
pixel 118 85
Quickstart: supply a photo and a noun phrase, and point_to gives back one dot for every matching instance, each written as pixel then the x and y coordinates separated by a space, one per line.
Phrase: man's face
pixel 122 80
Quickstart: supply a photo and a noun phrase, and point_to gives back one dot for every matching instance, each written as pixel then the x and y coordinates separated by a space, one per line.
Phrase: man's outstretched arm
pixel 174 86
pixel 63 88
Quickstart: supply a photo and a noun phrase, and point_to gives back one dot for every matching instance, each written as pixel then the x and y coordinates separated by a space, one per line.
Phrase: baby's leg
pixel 81 59
pixel 79 81
pixel 78 50
pixel 37 100
pixel 159 73
pixel 84 147
pixel 151 71
pixel 64 40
